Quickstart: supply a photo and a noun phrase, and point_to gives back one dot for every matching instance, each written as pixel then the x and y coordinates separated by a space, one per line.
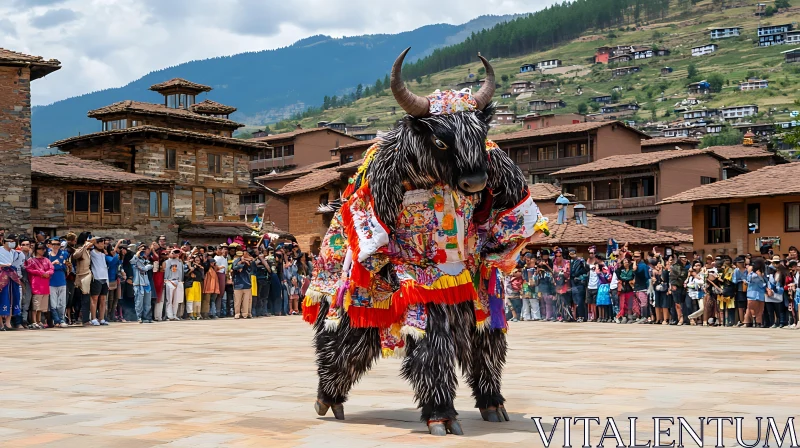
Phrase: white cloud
pixel 108 43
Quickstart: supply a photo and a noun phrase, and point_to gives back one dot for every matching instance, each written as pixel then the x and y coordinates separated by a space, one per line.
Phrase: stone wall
pixel 303 216
pixel 15 149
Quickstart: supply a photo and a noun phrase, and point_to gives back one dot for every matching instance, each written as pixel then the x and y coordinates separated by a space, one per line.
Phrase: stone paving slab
pixel 229 383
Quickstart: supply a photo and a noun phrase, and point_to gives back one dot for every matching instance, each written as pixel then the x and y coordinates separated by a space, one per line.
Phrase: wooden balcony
pixel 622 204
pixel 268 164
pixel 554 164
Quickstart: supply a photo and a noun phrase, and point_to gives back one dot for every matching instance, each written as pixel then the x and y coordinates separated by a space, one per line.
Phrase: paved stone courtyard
pixel 252 383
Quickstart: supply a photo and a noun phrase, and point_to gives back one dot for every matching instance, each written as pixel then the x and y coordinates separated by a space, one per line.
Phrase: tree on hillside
pixel 716 81
pixel 582 108
pixel 378 85
pixel 692 73
pixel 727 137
pixel 782 4
pixel 770 11
pixel 615 96
pixel 386 82
pixel 504 78
pixel 326 102
pixel 359 91
pixel 367 91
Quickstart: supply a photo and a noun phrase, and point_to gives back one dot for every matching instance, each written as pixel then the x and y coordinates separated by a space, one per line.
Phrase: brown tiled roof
pixel 212 107
pixel 39 66
pixel 634 160
pixel 299 171
pixel 360 144
pixel 777 180
pixel 563 129
pixel 159 109
pixel 159 131
pixel 600 229
pixel 740 152
pixel 296 132
pixel 70 168
pixel 545 192
pixel 659 141
pixel 180 82
pixel 311 181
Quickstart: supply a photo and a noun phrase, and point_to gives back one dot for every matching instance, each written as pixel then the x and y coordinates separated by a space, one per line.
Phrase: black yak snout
pixel 473 182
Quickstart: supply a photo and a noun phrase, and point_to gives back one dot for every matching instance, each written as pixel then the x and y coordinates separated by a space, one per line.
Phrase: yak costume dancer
pixel 411 263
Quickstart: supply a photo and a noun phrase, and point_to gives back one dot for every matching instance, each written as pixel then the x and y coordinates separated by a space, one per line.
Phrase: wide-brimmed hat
pixel 239 253
pixel 776 259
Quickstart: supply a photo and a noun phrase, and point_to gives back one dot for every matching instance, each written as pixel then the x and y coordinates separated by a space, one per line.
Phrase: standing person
pixel 39 271
pixel 275 295
pixel 713 290
pixel 10 283
pixel 530 300
pixel 100 280
pixel 294 297
pixel 159 253
pixel 727 300
pixel 776 316
pixel 603 302
pixel 141 283
pixel 222 268
pixel 24 249
pixel 72 310
pixel 513 289
pixel 82 262
pixel 173 285
pixel 242 286
pixel 58 282
pixel 128 294
pixel 627 278
pixel 262 279
pixel 210 289
pixel 561 269
pixel 113 261
pixel 756 293
pixel 738 279
pixel 546 289
pixel 195 277
pixel 579 275
pixel 693 285
pixel 677 278
pixel 592 285
pixel 659 278
pixel 640 286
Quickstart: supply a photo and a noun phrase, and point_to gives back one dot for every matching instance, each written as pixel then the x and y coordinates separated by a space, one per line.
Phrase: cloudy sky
pixel 108 43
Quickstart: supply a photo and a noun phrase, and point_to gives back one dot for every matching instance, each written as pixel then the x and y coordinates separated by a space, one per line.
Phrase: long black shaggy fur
pixel 488 359
pixel 343 356
pixel 429 366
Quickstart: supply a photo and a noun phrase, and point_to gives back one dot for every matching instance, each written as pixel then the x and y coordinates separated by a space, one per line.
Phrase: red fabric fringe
pixel 310 313
pixel 410 294
pixel 363 317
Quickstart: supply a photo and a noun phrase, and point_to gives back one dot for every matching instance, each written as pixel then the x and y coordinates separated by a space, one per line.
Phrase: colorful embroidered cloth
pixel 434 255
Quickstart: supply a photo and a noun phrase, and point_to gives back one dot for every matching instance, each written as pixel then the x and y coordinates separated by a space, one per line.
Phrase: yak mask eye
pixel 439 144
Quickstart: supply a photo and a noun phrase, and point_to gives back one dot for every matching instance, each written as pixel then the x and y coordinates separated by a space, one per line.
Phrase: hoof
pixel 495 414
pixel 437 428
pixel 321 408
pixel 502 410
pixel 338 411
pixel 454 427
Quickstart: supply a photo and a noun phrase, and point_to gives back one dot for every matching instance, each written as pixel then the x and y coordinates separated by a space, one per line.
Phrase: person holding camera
pixel 142 267
pixel 173 285
pixel 546 289
pixel 242 269
pixel 58 282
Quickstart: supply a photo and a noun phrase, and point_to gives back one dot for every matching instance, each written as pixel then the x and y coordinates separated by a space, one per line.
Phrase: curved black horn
pixel 484 96
pixel 415 105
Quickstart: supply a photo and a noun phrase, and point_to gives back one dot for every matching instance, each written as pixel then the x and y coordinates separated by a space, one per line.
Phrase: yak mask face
pixel 449 130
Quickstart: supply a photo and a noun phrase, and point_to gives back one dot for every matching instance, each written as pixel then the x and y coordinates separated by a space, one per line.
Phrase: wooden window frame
pixel 710 229
pixel 756 206
pixel 72 216
pixel 167 166
pixel 786 206
pixel 149 194
pixel 216 167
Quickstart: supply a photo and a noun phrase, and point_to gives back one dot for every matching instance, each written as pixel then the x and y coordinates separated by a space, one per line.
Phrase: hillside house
pixel 791 56
pixel 769 35
pixel 737 112
pixel 180 140
pixel 622 71
pixel 260 133
pixel 700 114
pixel 714 128
pixel 543 104
pixel 725 32
pixel 526 68
pixel 538 121
pixel 17 71
pixel 540 152
pixel 703 50
pixel 793 37
pixel 340 126
pixel 663 52
pixel 549 63
pixel 602 54
pixel 642 52
pixel 699 88
pixel 675 132
pixel 355 128
pixel 365 135
pixel 601 99
pixel 754 84
pixel 666 71
pixel 351 151
pixel 518 87
pixel 299 147
pixel 545 84
pixel 504 117
pixel 761 9
pixel 506 95
pixel 628 188
pixel 620 59
pixel 621 109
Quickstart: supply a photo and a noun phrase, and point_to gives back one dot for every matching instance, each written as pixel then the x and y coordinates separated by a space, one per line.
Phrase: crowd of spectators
pixel 83 279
